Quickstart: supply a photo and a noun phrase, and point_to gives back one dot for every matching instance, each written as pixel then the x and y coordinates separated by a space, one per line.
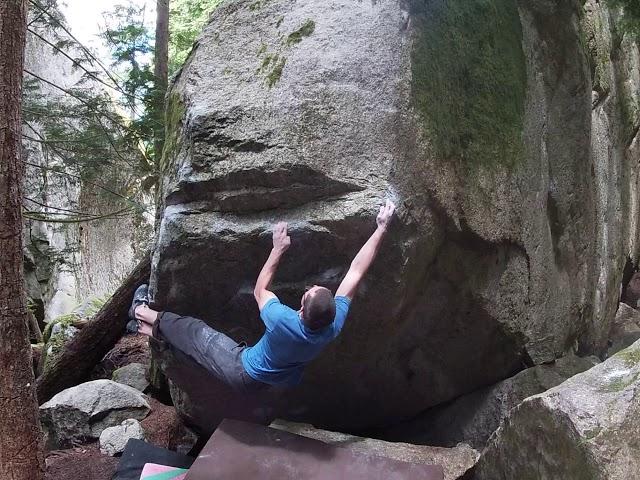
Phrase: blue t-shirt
pixel 288 345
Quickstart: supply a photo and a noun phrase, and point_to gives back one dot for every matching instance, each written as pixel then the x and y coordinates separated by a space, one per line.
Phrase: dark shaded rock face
pixel 632 291
pixel 475 117
pixel 474 417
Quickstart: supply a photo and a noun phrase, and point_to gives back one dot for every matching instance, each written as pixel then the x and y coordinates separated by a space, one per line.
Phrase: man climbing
pixel 292 338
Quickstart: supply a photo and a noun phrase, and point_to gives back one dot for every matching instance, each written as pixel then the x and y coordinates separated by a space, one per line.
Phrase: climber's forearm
pixel 268 272
pixel 361 263
pixel 363 260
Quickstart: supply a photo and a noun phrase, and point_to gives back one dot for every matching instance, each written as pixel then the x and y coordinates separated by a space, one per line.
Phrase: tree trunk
pixel 161 72
pixel 21 454
pixel 95 339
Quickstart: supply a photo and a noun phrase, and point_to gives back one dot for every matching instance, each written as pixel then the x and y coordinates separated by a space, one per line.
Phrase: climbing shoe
pixel 140 297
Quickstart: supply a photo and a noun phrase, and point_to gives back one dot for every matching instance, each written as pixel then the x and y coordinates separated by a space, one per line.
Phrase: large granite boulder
pixel 455 461
pixel 81 413
pixel 515 187
pixel 472 418
pixel 586 428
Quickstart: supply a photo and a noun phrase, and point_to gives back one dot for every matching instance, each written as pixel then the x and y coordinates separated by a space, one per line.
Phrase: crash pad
pixel 153 471
pixel 138 453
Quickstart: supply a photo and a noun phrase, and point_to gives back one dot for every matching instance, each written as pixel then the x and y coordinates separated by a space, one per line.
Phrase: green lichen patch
pixel 272 66
pixel 617 384
pixel 629 108
pixel 266 61
pixel 630 356
pixel 257 4
pixel 276 72
pixel 629 18
pixel 597 46
pixel 305 30
pixel 273 63
pixel 593 433
pixel 469 79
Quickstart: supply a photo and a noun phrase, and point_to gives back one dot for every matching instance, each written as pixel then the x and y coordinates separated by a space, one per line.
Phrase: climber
pixel 292 338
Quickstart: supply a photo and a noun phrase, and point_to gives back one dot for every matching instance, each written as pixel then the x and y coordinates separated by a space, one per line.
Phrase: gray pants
pixel 211 349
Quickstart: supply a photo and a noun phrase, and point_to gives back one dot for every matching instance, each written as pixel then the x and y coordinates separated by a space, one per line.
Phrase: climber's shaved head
pixel 318 307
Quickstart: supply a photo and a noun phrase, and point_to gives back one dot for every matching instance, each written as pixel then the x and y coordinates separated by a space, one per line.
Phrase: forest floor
pixel 86 462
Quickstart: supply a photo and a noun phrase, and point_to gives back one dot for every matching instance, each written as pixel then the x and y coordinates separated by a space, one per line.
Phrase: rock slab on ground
pixel 113 440
pixel 587 428
pixel 456 461
pixel 81 413
pixel 474 417
pixel 134 375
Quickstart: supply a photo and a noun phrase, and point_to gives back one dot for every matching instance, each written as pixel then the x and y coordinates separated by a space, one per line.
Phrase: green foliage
pixel 469 79
pixel 130 43
pixel 630 20
pixel 80 127
pixel 94 305
pixel 186 20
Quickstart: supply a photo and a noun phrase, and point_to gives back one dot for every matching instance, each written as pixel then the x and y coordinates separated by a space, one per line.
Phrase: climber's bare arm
pixel 281 242
pixel 367 253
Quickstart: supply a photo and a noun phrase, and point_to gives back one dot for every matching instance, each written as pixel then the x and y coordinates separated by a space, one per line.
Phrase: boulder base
pixel 584 429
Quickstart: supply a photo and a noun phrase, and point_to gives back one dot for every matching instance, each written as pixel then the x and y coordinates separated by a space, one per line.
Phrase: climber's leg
pixel 211 349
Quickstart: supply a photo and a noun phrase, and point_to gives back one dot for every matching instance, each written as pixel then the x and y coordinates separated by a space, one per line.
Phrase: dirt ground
pixel 129 349
pixel 162 426
pixel 81 463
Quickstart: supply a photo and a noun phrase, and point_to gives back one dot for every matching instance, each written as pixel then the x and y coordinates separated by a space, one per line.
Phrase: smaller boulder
pixel 625 329
pixel 134 375
pixel 585 428
pixel 57 334
pixel 113 440
pixel 81 413
pixel 455 461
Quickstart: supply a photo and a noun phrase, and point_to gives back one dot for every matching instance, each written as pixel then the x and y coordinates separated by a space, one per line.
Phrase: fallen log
pixel 94 341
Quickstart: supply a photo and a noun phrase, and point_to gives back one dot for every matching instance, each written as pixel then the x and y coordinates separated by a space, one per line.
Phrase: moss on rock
pixel 54 342
pixel 276 71
pixel 174 113
pixel 469 79
pixel 630 356
pixel 597 45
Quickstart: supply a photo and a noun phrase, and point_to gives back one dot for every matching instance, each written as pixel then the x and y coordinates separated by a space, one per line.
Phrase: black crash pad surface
pixel 137 453
pixel 239 450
